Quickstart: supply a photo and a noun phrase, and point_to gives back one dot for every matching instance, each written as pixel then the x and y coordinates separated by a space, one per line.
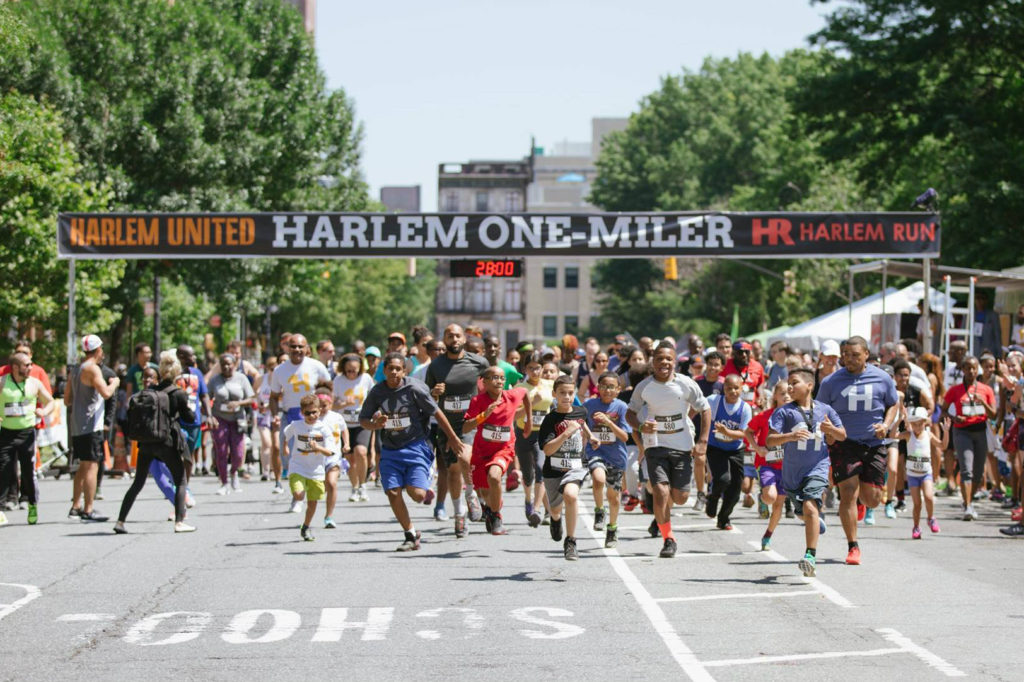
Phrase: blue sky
pixel 447 81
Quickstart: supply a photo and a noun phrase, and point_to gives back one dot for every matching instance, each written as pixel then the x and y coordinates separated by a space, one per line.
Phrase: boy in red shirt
pixel 492 413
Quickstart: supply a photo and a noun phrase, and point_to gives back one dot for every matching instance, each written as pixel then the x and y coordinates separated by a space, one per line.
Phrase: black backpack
pixel 149 416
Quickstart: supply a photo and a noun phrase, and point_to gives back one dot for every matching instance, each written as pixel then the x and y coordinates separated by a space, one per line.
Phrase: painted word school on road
pixel 609 235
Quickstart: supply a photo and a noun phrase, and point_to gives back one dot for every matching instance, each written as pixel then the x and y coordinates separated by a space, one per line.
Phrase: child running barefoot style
pixel 561 435
pixel 919 465
pixel 804 428
pixel 306 447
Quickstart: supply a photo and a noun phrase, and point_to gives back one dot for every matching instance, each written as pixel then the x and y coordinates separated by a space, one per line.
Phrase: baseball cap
pixel 830 347
pixel 742 345
pixel 545 351
pixel 396 335
pixel 373 350
pixel 917 414
pixel 91 342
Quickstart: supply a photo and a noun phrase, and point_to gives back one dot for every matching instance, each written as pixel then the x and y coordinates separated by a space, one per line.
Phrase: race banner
pixel 471 235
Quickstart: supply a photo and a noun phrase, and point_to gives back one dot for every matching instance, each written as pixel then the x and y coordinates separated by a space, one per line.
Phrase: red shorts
pixel 479 466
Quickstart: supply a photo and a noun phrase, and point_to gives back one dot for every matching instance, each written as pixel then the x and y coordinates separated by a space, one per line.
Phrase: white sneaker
pixel 354 497
pixel 277 488
pixel 182 527
pixel 223 490
pixel 968 513
pixel 3 519
pixel 363 497
pixel 235 485
pixel 974 512
pixel 296 507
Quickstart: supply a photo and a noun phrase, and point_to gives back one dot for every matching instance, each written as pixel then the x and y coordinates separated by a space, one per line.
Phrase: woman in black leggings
pixel 169 454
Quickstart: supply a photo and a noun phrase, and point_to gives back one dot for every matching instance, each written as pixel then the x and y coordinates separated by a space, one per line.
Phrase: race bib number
pixel 603 434
pixel 748 394
pixel 566 463
pixel 537 418
pixel 397 423
pixel 748 458
pixel 456 403
pixel 351 416
pixel 15 410
pixel 496 434
pixel 979 328
pixel 773 455
pixel 919 467
pixel 670 423
pixel 973 410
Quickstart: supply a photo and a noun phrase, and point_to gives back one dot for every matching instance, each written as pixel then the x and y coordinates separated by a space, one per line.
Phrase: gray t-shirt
pixel 224 391
pixel 408 409
pixel 460 384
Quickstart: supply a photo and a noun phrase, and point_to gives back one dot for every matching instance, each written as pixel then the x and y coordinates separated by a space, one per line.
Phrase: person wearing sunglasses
pixel 307 446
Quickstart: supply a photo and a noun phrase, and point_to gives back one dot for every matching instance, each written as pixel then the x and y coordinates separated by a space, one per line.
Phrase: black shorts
pixel 444 454
pixel 357 435
pixel 867 462
pixel 674 467
pixel 88 447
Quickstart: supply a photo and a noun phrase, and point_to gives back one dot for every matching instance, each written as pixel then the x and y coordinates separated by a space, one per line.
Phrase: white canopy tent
pixel 855 320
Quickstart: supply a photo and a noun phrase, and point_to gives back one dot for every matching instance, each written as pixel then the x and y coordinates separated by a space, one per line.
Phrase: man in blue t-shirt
pixel 804 428
pixel 606 417
pixel 865 399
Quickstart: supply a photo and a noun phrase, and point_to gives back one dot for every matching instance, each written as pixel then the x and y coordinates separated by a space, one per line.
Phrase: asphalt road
pixel 244 597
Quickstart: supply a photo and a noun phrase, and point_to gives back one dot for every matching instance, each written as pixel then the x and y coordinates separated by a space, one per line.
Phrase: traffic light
pixel 671 268
pixel 788 282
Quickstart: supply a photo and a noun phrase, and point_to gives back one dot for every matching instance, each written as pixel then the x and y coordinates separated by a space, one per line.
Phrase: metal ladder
pixel 950 332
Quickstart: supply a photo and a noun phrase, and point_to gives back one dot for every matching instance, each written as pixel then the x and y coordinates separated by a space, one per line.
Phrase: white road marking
pixel 562 630
pixel 928 657
pixel 334 622
pixel 283 625
pixel 799 657
pixel 743 595
pixel 85 617
pixel 196 623
pixel 31 592
pixel 682 654
pixel 824 590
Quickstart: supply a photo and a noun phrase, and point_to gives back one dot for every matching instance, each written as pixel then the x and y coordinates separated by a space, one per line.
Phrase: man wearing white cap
pixel 828 362
pixel 85 395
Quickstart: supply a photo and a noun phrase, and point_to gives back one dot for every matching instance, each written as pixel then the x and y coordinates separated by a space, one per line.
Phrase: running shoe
pixel 711 507
pixel 546 521
pixel 363 496
pixel 1017 514
pixel 916 533
pixel 278 489
pixel 440 514
pixel 411 544
pixel 861 511
pixel 821 525
pixel 668 549
pixel 569 548
pixel 533 517
pixel 830 499
pixel 611 537
pixel 460 526
pixel 512 481
pixel 329 522
pixel 428 499
pixel 599 518
pixel 724 525
pixel 1014 531
pixel 807 565
pixel 933 525
pixel 97 496
pixel 488 518
pixel 869 517
pixel 3 519
pixel 556 529
pixel 93 517
pixel 74 513
pixel 702 499
pixel 236 486
pixel 354 497
pixel 901 505
pixel 119 528
pixel 762 510
pixel 497 528
pixel 264 477
pixel 189 500
pixel 974 512
pixel 653 528
pixel 631 503
pixel 1010 503
pixel 182 527
pixel 296 507
pixel 853 557
pixel 766 543
pixel 790 514
pixel 306 534
pixel 476 512
pixel 997 496
pixel 890 510
pixel 33 514
pixel 748 501
pixel 968 514
pixel 223 490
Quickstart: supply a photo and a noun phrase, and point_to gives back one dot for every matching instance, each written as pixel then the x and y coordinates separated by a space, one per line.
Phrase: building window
pixel 451 201
pixel 513 202
pixel 513 297
pixel 483 296
pixel 481 201
pixel 572 277
pixel 550 278
pixel 453 294
pixel 550 325
pixel 572 324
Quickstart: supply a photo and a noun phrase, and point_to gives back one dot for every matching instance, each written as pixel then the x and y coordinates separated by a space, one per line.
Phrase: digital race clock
pixel 486 268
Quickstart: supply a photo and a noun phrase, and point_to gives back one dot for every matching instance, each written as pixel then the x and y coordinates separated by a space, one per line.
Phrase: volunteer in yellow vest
pixel 24 398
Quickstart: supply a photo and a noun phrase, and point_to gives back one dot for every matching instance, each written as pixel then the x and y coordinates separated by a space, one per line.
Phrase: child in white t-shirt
pixel 307 444
pixel 919 465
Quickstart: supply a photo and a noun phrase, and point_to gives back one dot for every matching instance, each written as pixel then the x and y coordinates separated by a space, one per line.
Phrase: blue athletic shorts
pixel 409 466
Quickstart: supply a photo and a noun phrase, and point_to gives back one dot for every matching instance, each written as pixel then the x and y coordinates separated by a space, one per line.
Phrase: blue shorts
pixel 770 476
pixel 193 437
pixel 749 471
pixel 408 467
pixel 811 488
pixel 918 481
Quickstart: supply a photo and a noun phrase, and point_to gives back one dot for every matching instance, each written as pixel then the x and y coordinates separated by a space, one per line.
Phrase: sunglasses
pixel 495 377
pixel 297 345
pixel 312 414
